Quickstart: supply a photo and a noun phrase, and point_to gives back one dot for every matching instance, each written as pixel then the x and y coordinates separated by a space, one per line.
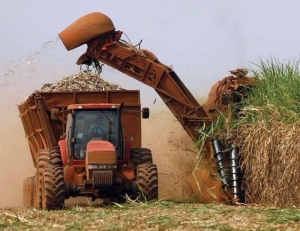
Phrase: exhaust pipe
pixel 219 155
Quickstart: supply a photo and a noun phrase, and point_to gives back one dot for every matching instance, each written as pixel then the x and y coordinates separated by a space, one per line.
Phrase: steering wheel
pixel 95 132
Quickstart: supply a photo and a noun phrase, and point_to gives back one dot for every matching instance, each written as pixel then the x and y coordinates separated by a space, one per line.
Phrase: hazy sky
pixel 202 40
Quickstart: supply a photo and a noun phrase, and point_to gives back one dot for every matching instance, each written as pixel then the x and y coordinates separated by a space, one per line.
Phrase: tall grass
pixel 268 135
pixel 277 92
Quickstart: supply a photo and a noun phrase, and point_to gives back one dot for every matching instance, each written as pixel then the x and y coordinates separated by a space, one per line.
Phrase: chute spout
pixel 85 29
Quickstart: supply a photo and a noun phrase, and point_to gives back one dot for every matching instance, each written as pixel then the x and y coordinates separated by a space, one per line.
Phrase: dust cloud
pixel 173 152
pixel 16 162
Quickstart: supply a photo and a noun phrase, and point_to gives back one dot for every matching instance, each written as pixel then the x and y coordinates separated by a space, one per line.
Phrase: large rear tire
pixel 141 156
pixel 28 191
pixel 55 157
pixel 46 158
pixel 43 162
pixel 147 181
pixel 53 188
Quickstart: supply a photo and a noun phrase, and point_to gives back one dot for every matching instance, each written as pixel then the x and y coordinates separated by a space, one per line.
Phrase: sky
pixel 201 40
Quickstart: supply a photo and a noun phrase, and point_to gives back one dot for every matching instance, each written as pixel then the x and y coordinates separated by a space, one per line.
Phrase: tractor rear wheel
pixel 53 188
pixel 46 158
pixel 43 158
pixel 28 191
pixel 55 157
pixel 43 162
pixel 147 181
pixel 49 156
pixel 141 156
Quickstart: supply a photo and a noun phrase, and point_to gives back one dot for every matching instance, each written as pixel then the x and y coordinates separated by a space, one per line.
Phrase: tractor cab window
pixel 94 124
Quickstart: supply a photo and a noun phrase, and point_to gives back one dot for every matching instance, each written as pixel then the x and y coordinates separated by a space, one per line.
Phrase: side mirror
pixel 55 114
pixel 145 113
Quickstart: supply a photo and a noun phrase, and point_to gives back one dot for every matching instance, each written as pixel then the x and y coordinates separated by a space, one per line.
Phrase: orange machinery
pixel 72 160
pixel 104 44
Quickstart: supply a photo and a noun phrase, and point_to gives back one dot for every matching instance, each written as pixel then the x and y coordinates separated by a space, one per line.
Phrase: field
pixel 159 215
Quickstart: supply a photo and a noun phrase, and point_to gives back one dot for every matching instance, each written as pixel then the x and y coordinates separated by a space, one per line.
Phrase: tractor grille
pixel 102 178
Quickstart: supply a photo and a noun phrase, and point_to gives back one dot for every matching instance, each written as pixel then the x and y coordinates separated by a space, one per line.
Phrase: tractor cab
pixel 93 122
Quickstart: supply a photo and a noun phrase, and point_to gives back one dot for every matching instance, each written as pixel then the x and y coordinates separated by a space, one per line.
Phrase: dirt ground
pixel 172 149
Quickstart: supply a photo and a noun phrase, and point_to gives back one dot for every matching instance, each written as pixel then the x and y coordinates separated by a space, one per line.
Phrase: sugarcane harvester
pixel 104 44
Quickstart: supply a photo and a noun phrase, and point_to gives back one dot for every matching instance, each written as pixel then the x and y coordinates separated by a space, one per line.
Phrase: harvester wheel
pixel 147 181
pixel 141 156
pixel 53 188
pixel 28 191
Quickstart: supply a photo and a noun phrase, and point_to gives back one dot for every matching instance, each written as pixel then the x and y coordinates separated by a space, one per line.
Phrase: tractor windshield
pixel 94 124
